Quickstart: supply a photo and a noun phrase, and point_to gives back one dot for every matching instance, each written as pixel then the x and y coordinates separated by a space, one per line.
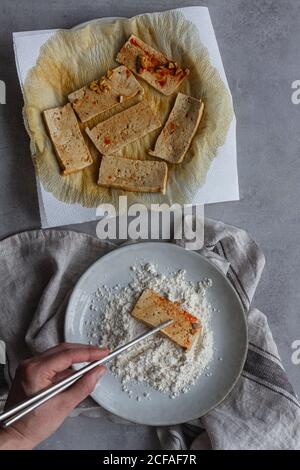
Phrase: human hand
pixel 41 372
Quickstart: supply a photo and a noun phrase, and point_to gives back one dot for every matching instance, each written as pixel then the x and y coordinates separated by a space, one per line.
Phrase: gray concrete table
pixel 258 40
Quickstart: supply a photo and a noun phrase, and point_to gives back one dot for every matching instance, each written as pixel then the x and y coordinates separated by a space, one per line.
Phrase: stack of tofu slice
pixel 120 86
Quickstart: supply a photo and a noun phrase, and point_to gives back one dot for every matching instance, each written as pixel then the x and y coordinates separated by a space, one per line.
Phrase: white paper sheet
pixel 222 179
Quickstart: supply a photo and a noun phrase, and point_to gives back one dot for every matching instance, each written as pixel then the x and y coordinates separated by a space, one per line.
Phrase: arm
pixel 38 373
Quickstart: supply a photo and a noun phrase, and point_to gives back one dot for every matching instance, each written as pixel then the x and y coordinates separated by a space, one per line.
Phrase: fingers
pixel 40 371
pixel 80 390
pixel 62 375
pixel 65 347
pixel 62 360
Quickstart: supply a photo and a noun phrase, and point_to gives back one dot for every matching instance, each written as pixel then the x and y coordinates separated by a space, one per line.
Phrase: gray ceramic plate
pixel 229 330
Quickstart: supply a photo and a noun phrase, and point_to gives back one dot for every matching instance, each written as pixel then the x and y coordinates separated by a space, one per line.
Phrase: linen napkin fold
pixel 38 271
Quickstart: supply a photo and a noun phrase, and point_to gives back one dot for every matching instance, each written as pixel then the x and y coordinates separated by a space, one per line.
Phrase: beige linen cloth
pixel 39 269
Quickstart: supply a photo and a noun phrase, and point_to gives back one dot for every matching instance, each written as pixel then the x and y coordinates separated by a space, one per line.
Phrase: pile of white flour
pixel 156 361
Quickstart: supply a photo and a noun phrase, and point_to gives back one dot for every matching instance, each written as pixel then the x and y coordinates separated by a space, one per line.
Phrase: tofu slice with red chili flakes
pixel 153 309
pixel 123 128
pixel 117 86
pixel 175 138
pixel 151 65
pixel 133 175
pixel 70 147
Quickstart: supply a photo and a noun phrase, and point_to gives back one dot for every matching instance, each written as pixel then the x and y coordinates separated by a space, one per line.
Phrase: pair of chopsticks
pixel 17 412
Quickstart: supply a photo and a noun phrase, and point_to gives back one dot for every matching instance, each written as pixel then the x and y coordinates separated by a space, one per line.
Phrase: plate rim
pixel 235 294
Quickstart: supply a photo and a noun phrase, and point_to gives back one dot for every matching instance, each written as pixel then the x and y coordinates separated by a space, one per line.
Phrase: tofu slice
pixel 70 147
pixel 153 309
pixel 123 128
pixel 133 175
pixel 151 65
pixel 176 137
pixel 117 86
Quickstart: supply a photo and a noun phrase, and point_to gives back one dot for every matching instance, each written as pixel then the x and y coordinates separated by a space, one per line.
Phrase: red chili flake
pixel 165 72
pixel 106 141
pixel 154 60
pixel 162 82
pixel 134 42
pixel 148 54
pixel 180 75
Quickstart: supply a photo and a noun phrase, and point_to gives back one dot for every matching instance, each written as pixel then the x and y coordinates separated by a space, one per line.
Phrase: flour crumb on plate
pixel 157 361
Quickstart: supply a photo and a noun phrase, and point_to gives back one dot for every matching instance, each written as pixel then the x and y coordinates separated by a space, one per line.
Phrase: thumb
pixel 81 389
